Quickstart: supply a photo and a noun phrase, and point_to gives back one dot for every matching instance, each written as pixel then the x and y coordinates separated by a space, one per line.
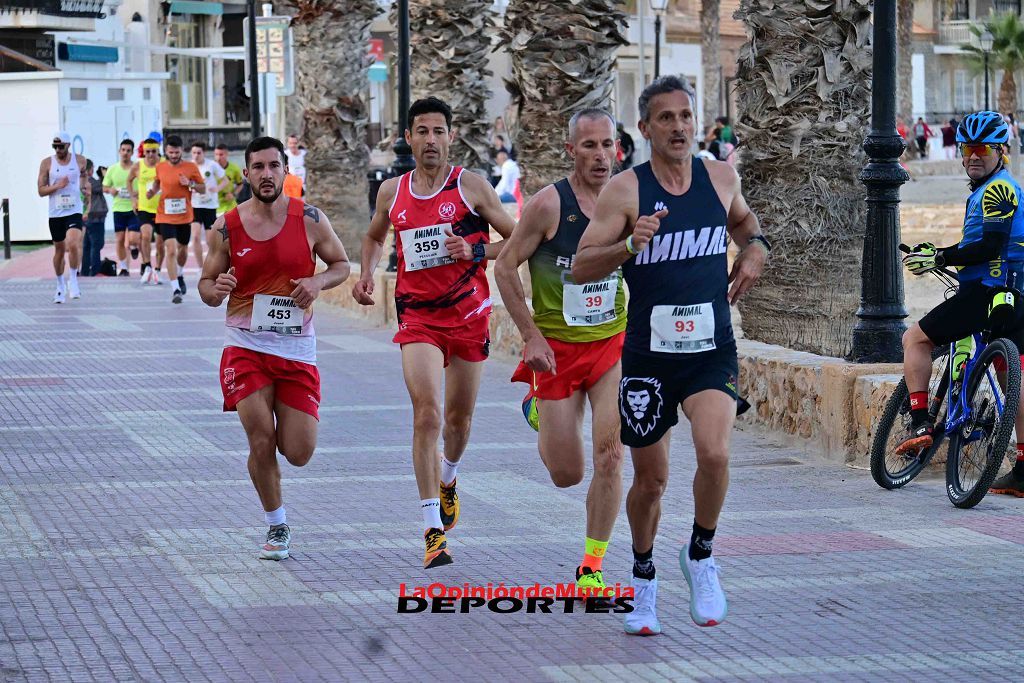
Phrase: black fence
pixel 60 8
pixel 235 138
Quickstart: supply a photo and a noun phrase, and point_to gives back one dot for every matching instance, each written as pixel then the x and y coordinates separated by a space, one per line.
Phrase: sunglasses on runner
pixel 977 150
pixel 60 146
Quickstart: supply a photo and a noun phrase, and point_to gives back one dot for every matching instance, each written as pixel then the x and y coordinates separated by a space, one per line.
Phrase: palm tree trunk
pixel 804 93
pixel 904 65
pixel 710 61
pixel 331 62
pixel 1008 92
pixel 451 42
pixel 563 55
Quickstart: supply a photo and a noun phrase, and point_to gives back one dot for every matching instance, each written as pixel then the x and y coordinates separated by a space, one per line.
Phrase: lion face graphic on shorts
pixel 640 403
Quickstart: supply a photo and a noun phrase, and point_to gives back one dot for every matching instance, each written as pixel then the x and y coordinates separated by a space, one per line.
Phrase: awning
pixel 86 53
pixel 196 7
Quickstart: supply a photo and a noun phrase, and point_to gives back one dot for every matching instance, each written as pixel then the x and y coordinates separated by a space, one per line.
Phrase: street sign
pixel 274 52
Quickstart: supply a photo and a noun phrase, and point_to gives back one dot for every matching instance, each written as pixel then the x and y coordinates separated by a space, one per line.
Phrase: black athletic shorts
pixel 59 226
pixel 966 313
pixel 170 231
pixel 204 216
pixel 125 220
pixel 146 218
pixel 653 389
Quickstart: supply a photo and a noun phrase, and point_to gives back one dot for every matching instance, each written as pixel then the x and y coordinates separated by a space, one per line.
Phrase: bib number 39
pixel 590 304
pixel 683 329
pixel 276 314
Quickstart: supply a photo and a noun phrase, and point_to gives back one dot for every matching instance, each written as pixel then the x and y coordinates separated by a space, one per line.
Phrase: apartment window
pixel 963 91
pixel 1006 6
pixel 959 11
pixel 186 91
pixel 115 94
pixel 146 93
pixel 78 94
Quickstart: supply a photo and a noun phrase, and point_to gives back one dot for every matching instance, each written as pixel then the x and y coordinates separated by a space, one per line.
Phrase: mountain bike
pixel 973 400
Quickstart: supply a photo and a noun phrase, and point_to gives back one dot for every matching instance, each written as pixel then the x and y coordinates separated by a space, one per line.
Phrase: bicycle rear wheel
pixel 977 447
pixel 889 469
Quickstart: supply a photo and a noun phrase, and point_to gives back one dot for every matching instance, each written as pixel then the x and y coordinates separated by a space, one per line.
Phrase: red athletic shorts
pixel 244 372
pixel 471 342
pixel 579 365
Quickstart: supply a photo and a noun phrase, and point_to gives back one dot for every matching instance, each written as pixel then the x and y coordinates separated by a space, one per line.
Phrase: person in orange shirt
pixel 175 181
pixel 293 186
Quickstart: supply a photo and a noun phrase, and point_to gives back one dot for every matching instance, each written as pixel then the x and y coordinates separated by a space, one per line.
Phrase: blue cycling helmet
pixel 983 127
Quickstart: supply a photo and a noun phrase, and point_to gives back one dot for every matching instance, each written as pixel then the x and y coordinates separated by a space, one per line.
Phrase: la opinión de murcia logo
pixel 438 598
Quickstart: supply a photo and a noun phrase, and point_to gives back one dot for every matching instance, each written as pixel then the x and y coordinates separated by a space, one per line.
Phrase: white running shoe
pixel 643 620
pixel 156 278
pixel 58 298
pixel 147 275
pixel 74 290
pixel 707 601
pixel 278 539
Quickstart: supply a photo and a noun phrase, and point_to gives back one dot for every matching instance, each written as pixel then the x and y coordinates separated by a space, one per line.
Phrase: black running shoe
pixel 177 297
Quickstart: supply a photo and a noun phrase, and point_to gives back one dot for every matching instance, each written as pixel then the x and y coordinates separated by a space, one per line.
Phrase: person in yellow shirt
pixel 140 179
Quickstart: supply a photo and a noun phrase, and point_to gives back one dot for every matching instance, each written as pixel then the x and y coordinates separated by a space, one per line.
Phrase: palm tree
pixel 450 46
pixel 904 67
pixel 331 62
pixel 804 89
pixel 563 54
pixel 710 60
pixel 1007 54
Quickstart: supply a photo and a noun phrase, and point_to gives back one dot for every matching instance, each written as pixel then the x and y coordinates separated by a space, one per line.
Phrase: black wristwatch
pixel 763 240
pixel 478 252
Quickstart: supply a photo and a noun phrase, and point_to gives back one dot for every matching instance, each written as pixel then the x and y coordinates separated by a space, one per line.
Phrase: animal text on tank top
pixel 678 284
pixel 432 288
pixel 261 314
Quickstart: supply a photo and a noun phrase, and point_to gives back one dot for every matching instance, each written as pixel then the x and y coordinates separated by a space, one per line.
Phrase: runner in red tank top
pixel 441 215
pixel 262 259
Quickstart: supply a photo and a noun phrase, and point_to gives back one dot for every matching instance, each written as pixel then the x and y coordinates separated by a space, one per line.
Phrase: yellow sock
pixel 593 555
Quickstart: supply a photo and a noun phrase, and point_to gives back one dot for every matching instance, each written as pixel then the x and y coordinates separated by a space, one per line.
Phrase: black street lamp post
pixel 986 39
pixel 877 336
pixel 403 162
pixel 254 72
pixel 659 7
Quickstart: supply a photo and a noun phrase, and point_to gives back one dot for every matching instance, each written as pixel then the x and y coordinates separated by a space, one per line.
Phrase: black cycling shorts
pixel 170 231
pixel 966 313
pixel 653 389
pixel 146 218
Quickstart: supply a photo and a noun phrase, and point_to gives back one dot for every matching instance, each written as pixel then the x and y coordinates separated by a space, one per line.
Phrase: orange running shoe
pixel 437 554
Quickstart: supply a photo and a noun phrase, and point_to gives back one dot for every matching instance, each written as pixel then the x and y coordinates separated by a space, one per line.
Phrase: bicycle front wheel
pixel 977 447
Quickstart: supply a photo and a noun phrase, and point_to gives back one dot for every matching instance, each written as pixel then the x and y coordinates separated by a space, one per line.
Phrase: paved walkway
pixel 129 532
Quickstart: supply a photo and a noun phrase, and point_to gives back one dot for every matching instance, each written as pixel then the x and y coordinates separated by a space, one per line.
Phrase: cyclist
pixel 990 255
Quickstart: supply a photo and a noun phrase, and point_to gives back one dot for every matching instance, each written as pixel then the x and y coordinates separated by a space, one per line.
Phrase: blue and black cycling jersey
pixel 992 208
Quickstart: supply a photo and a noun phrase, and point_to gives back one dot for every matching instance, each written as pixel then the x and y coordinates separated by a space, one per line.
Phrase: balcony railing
pixel 955 32
pixel 86 9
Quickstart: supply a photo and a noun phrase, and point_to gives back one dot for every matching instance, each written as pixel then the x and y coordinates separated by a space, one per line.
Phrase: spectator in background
pixel 95 218
pixel 506 187
pixel 499 129
pixel 949 139
pixel 921 134
pixel 626 147
pixel 296 154
pixel 702 151
pixel 293 186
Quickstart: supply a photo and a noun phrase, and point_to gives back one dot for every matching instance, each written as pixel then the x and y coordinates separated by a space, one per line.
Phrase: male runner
pixel 126 225
pixel 204 206
pixel 667 223
pixel 573 342
pixel 228 197
pixel 990 257
pixel 175 181
pixel 141 179
pixel 60 178
pixel 262 258
pixel 441 215
pixel 296 159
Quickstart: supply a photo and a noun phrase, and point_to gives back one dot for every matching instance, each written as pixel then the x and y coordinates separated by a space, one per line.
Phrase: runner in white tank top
pixel 60 180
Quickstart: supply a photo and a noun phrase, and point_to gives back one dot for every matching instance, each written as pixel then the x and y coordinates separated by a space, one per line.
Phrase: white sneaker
pixel 74 290
pixel 58 298
pixel 707 601
pixel 643 620
pixel 156 278
pixel 147 275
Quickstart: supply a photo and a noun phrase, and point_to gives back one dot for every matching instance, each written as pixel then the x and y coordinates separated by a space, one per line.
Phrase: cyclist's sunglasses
pixel 977 150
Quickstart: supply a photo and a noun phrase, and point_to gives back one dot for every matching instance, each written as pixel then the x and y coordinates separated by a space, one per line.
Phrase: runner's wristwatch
pixel 478 252
pixel 763 240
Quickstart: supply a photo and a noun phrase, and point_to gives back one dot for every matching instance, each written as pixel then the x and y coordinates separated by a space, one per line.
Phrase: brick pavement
pixel 129 531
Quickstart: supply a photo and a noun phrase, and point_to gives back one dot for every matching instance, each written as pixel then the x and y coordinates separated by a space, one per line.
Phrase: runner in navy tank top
pixel 440 215
pixel 668 223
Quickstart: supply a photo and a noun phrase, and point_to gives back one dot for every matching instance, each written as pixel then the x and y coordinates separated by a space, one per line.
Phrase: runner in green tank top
pixel 573 339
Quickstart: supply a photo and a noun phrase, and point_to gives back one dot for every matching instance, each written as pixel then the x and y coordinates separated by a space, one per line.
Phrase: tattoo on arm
pixel 312 212
pixel 224 232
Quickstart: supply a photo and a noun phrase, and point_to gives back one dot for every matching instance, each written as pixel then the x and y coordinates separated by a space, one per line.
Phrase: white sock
pixel 73 275
pixel 448 471
pixel 123 265
pixel 431 508
pixel 275 517
pixel 60 283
